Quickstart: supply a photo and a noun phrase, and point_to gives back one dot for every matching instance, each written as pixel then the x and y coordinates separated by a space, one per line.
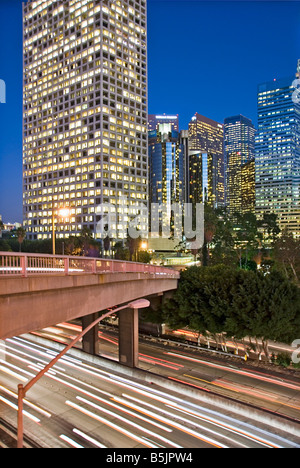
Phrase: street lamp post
pixel 53 230
pixel 63 213
pixel 22 390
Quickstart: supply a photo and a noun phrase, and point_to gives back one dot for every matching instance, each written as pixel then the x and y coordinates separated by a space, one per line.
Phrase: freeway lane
pixel 279 394
pixel 78 404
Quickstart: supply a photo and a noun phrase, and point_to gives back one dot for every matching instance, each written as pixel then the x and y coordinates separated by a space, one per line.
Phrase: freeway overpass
pixel 37 291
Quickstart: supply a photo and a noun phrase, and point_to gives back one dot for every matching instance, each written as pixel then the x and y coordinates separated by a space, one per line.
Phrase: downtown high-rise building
pixel 239 149
pixel 278 153
pixel 166 165
pixel 164 121
pixel 206 162
pixel 85 142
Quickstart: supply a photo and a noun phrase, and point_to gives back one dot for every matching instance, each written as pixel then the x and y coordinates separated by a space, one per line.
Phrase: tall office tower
pixel 166 168
pixel 278 154
pixel 239 148
pixel 206 150
pixel 184 140
pixel 84 114
pixel 248 187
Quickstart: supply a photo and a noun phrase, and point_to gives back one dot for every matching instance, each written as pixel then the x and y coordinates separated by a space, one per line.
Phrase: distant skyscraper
pixel 85 113
pixel 278 154
pixel 248 187
pixel 239 148
pixel 166 166
pixel 164 121
pixel 206 161
pixel 184 140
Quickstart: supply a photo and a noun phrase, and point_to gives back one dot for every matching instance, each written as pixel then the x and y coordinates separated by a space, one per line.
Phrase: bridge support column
pixel 90 341
pixel 129 337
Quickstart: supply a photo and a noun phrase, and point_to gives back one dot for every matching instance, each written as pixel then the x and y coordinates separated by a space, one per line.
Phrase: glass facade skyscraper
pixel 278 154
pixel 206 161
pixel 84 113
pixel 248 187
pixel 166 167
pixel 239 148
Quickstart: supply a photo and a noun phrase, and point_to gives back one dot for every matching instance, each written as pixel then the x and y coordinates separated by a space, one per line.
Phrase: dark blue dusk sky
pixel 203 56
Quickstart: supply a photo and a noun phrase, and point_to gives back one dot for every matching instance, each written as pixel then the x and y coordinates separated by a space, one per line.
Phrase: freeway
pixel 270 390
pixel 79 404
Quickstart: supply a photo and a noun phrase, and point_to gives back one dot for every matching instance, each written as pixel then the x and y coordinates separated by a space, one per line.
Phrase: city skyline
pixel 212 50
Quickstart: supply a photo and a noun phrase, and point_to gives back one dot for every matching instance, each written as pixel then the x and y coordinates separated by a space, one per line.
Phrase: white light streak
pixel 70 441
pixel 88 438
pixel 12 405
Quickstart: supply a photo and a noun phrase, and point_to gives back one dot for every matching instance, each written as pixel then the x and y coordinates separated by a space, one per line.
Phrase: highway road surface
pixel 82 405
pixel 270 390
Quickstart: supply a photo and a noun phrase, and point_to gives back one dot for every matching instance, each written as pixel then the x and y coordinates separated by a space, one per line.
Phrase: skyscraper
pixel 278 154
pixel 239 148
pixel 166 165
pixel 164 121
pixel 84 113
pixel 248 187
pixel 206 161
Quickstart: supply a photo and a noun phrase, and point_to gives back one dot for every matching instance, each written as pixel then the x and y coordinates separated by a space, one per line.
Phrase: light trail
pixel 108 423
pixel 238 389
pixel 15 407
pixel 27 402
pixel 127 421
pixel 227 426
pixel 13 374
pixel 92 395
pixel 31 354
pixel 172 423
pixel 70 441
pixel 88 438
pixel 254 375
pixel 261 394
pixel 142 357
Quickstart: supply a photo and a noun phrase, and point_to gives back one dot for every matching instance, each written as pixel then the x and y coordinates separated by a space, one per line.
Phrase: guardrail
pixel 26 264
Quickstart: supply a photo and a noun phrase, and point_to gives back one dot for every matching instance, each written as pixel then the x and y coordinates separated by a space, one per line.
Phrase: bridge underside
pixel 33 303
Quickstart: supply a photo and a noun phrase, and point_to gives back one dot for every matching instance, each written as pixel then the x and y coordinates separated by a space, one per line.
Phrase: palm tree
pixel 21 234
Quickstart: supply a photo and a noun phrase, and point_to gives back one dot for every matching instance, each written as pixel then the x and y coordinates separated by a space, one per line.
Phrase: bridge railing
pixel 27 264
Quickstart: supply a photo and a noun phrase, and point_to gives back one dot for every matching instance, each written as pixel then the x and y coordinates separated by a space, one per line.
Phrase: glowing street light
pixel 64 213
pixel 144 245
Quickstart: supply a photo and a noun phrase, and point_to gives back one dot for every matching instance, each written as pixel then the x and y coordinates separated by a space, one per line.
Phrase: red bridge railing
pixel 26 264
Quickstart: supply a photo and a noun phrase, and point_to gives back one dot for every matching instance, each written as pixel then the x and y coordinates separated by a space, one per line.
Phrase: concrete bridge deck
pixel 37 291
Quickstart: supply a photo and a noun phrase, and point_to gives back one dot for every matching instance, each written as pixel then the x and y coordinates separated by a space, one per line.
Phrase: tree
pixel 247 237
pixel 121 252
pixel 210 224
pixel 281 320
pixel 223 251
pixel 191 304
pixel 270 229
pixel 236 302
pixel 133 245
pixel 287 256
pixel 89 246
pixel 21 234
